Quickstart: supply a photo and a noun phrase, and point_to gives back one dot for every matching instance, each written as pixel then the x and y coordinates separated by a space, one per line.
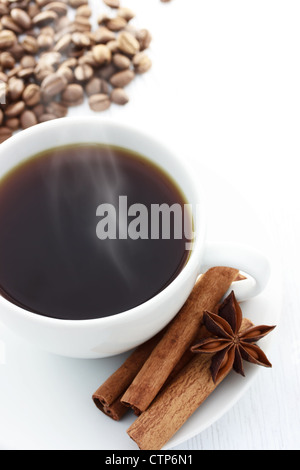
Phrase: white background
pixel 225 88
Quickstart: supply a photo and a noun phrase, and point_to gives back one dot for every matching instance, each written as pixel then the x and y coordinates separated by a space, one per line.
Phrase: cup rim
pixel 192 265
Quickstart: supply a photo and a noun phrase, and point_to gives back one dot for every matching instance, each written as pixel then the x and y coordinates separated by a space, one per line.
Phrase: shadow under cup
pixel 90 231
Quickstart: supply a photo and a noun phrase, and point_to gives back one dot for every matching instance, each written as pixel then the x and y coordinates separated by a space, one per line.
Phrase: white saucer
pixel 45 400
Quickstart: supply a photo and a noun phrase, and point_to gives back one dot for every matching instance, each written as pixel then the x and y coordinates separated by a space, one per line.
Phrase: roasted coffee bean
pixel 89 34
pixel 5 133
pixel 105 87
pixel 102 54
pixel 116 24
pixel 126 13
pixel 107 71
pixel 141 63
pixel 66 72
pixel 87 58
pixel 63 43
pixel 32 94
pixel 59 8
pixel 21 17
pixel 128 43
pixel 119 96
pixel 93 86
pixel 23 4
pixel 45 41
pixel 123 78
pixel 30 44
pixel 17 51
pixel 81 40
pixel 15 109
pixel 47 117
pixel 121 61
pixel 33 9
pixel 144 38
pixel 28 119
pixel 82 24
pixel 83 72
pixel 25 73
pixel 112 3
pixel 71 62
pixel 58 109
pixel 84 10
pixel 15 88
pixel 48 30
pixel 99 102
pixel 97 85
pixel 62 23
pixel 113 46
pixel 60 33
pixel 8 23
pixel 77 3
pixel 45 17
pixel 38 110
pixel 41 71
pixel 53 84
pixel 7 39
pixel 13 123
pixel 52 58
pixel 103 35
pixel 4 10
pixel 42 3
pixel 28 61
pixel 7 60
pixel 14 72
pixel 73 95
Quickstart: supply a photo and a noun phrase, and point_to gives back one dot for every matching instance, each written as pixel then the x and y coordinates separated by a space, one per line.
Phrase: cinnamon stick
pixel 181 332
pixel 186 358
pixel 176 403
pixel 188 354
pixel 107 397
pixel 115 411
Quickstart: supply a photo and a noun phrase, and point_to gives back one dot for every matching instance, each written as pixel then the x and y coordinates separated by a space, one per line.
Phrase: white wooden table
pixel 225 88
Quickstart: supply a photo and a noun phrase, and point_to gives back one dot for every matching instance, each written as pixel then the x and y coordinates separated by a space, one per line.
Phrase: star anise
pixel 230 344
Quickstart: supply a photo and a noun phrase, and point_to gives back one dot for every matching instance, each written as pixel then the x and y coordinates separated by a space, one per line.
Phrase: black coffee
pixel 73 244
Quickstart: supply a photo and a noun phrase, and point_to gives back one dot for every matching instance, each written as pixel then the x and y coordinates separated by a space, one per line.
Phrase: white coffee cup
pixel 115 334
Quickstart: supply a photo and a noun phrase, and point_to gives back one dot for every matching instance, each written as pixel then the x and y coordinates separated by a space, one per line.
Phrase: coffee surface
pixel 52 261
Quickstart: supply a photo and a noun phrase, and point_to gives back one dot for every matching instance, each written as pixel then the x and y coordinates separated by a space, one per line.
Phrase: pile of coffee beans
pixel 50 62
